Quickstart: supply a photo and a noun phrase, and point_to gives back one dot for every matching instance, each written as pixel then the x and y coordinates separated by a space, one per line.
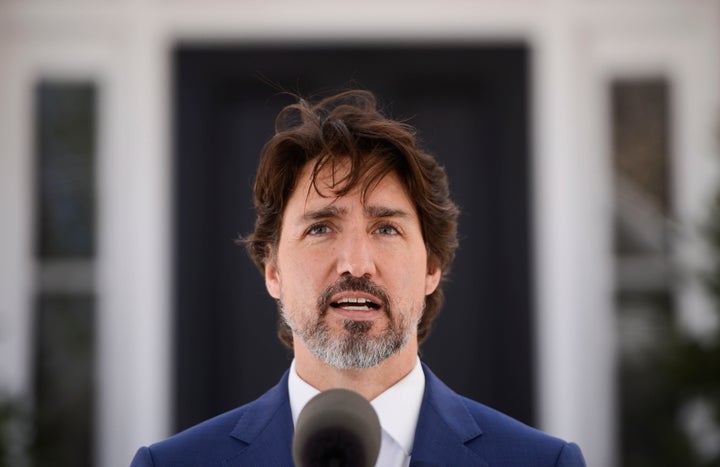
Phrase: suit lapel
pixel 444 427
pixel 266 430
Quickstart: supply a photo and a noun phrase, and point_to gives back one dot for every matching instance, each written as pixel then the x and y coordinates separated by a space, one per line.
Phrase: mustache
pixel 350 283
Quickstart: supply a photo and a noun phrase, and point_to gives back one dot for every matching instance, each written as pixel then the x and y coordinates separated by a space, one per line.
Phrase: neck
pixel 368 382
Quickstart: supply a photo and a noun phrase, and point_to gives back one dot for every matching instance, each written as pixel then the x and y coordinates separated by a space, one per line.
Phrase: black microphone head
pixel 337 427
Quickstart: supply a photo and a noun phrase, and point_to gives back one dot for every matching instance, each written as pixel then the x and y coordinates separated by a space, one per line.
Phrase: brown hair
pixel 348 127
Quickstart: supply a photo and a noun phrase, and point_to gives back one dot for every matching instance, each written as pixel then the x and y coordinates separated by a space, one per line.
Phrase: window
pixel 653 394
pixel 64 311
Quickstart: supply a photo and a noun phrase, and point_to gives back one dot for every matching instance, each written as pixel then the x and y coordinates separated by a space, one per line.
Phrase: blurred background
pixel 582 142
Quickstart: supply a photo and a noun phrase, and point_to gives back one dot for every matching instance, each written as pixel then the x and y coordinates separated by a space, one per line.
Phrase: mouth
pixel 351 303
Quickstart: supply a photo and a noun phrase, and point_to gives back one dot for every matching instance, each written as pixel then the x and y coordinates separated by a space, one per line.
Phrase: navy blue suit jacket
pixel 451 431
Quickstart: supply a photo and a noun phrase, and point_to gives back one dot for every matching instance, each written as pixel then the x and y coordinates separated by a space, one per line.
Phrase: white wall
pixel 577 48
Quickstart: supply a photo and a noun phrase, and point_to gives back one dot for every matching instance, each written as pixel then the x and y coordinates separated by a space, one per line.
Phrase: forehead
pixel 330 180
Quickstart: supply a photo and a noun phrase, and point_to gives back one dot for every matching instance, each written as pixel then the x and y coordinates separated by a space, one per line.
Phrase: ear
pixel 272 276
pixel 432 279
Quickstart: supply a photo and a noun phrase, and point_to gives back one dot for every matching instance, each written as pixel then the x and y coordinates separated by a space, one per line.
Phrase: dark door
pixel 470 103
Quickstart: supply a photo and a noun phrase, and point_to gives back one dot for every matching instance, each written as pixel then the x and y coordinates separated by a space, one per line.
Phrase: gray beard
pixel 355 348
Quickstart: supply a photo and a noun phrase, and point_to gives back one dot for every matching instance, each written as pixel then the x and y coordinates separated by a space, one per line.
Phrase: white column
pixel 572 215
pixel 135 213
pixel 16 208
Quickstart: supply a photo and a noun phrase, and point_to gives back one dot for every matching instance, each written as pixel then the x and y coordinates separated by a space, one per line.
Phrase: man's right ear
pixel 272 275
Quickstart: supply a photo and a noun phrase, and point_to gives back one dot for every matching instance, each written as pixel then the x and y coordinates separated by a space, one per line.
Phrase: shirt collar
pixel 398 407
pixel 300 392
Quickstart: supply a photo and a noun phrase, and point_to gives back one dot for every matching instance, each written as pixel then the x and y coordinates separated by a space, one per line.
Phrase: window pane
pixel 640 111
pixel 64 375
pixel 65 154
pixel 641 139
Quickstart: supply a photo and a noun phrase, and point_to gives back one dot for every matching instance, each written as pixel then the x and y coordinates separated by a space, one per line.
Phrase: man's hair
pixel 348 128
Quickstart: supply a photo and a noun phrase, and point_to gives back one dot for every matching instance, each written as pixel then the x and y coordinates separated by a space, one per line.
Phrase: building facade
pixel 119 54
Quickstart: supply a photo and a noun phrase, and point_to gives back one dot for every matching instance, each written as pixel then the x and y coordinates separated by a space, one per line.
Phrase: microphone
pixel 337 428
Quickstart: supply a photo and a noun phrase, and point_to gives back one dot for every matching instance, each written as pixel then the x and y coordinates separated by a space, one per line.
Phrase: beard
pixel 355 347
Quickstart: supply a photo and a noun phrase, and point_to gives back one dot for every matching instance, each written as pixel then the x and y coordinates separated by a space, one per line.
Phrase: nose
pixel 355 255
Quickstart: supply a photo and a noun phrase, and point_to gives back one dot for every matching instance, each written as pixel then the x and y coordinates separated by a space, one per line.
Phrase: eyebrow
pixel 324 213
pixel 331 211
pixel 382 211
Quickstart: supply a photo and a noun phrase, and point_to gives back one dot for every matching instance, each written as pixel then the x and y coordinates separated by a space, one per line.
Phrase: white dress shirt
pixel 398 409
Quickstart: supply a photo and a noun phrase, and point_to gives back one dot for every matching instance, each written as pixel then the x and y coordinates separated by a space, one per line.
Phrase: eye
pixel 387 229
pixel 318 229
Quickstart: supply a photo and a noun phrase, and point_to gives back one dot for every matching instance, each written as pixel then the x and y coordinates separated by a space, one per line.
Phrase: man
pixel 355 230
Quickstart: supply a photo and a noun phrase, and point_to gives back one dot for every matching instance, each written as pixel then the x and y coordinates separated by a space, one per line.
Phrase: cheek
pixel 414 271
pixel 408 289
pixel 298 282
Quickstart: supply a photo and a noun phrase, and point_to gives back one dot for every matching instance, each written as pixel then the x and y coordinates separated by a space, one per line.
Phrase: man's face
pixel 351 277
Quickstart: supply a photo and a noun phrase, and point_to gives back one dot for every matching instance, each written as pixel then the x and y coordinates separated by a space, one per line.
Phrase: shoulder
pixel 496 423
pixel 207 443
pixel 493 435
pixel 503 436
pixel 218 439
